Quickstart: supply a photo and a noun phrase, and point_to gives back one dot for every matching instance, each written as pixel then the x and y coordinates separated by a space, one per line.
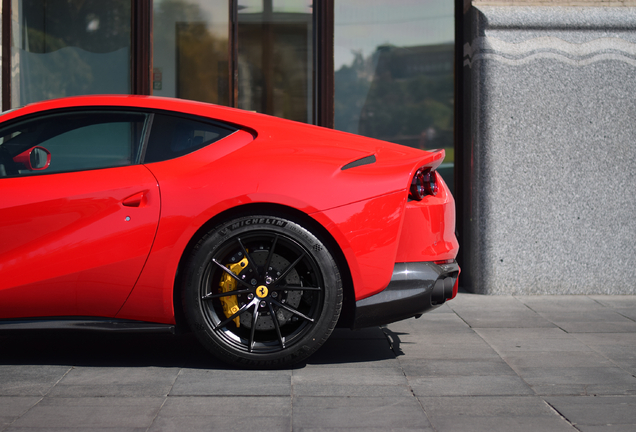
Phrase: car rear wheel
pixel 262 291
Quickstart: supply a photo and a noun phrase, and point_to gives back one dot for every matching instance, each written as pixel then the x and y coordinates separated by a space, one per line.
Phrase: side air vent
pixel 364 161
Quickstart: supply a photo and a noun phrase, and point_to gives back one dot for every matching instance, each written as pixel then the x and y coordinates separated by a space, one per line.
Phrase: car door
pixel 74 236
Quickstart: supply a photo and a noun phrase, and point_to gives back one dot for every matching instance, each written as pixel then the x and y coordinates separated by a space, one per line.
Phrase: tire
pixel 262 291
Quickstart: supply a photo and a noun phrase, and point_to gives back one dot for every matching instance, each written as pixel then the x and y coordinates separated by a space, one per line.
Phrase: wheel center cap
pixel 262 291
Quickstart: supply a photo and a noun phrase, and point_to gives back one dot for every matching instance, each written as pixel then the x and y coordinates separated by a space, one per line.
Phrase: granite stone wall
pixel 549 164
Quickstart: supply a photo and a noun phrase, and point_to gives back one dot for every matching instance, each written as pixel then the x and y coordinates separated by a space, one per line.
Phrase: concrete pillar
pixel 549 167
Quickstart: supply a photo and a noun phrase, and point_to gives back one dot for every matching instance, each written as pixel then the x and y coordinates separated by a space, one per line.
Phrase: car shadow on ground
pixel 99 349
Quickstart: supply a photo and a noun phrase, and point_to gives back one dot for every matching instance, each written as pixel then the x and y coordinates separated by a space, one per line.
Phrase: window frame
pixel 184 116
pixel 144 140
pixel 135 158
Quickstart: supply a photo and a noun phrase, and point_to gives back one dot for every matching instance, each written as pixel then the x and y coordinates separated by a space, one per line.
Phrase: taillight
pixel 424 183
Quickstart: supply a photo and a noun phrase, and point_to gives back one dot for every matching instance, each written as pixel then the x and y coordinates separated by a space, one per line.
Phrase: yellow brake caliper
pixel 230 303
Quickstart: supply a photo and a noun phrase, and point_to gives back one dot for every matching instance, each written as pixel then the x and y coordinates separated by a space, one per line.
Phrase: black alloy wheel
pixel 262 291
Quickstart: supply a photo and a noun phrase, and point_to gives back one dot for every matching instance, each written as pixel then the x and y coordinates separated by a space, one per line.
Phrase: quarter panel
pixel 368 233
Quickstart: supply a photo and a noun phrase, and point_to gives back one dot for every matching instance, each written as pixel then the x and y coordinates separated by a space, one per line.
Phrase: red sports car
pixel 257 233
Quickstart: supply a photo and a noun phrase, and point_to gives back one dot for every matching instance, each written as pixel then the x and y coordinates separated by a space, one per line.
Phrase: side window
pixel 173 136
pixel 76 141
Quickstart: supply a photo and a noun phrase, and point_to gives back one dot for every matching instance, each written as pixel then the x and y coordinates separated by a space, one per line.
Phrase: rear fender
pixel 367 232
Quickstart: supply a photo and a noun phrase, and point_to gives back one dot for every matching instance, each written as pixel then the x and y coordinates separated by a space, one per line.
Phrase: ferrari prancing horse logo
pixel 261 291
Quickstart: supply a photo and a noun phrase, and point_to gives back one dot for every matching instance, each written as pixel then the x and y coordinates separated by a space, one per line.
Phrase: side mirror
pixel 34 159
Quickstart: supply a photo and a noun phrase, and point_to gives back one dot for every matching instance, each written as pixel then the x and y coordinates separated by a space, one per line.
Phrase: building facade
pixel 532 101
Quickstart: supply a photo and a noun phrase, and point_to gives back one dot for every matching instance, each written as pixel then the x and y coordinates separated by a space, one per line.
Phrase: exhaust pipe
pixel 443 290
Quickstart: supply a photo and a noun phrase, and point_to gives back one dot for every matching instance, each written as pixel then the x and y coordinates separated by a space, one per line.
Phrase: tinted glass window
pixel 172 137
pixel 76 141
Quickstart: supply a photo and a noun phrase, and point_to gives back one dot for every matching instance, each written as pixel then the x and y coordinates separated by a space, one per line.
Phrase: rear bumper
pixel 415 287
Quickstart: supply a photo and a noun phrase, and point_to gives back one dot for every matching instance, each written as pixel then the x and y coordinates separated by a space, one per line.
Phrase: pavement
pixel 479 363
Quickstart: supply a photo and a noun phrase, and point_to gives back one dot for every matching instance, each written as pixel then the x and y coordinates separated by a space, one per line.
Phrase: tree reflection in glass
pixel 190 50
pixel 394 72
pixel 275 58
pixel 66 47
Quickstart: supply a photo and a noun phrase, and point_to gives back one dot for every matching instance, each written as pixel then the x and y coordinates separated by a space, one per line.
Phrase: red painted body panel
pixel 66 247
pixel 369 231
pixel 428 233
pixel 270 160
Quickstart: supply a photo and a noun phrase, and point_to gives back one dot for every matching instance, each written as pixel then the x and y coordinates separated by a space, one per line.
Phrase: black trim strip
pixel 6 55
pixel 146 137
pixel 92 324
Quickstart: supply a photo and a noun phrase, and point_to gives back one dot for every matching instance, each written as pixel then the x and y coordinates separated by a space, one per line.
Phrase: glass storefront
pixel 275 58
pixel 273 50
pixel 394 77
pixel 65 48
pixel 393 60
pixel 190 50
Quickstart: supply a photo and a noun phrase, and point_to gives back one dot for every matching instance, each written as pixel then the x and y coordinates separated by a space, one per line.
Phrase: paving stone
pixel 488 413
pixel 605 321
pixel 487 406
pixel 344 376
pixel 506 424
pixel 342 352
pixel 623 304
pixel 482 385
pixel 585 380
pixel 454 351
pixel 478 301
pixel 12 407
pixel 197 382
pixel 554 359
pixel 556 303
pixel 431 324
pixel 461 345
pixel 616 301
pixel 241 423
pixel 507 319
pixel 618 353
pixel 116 381
pixel 224 413
pixel 28 380
pixel 337 413
pixel 628 313
pixel 489 378
pixel 545 340
pixel 370 391
pixel 504 312
pixel 599 411
pixel 619 339
pixel 425 338
pixel 441 310
pixel 105 412
pixel 371 382
pixel 443 368
pixel 551 389
pixel 186 406
pixel 619 348
pixel 75 429
pixel 607 428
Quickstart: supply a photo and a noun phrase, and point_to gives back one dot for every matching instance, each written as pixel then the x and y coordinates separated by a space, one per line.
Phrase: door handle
pixel 137 200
